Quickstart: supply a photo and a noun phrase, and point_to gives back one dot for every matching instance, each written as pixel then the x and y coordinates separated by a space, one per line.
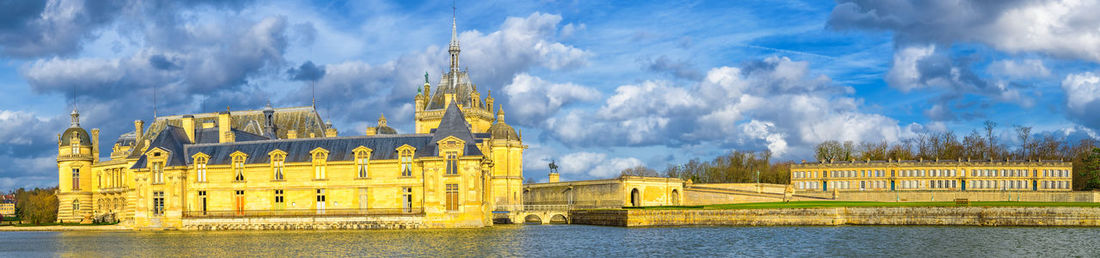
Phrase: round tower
pixel 506 150
pixel 75 155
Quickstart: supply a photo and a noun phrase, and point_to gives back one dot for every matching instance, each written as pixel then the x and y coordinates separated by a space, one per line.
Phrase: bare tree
pixel 1024 132
pixel 989 126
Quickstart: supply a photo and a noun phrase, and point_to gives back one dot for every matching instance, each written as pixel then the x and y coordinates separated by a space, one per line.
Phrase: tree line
pixel 36 206
pixel 742 167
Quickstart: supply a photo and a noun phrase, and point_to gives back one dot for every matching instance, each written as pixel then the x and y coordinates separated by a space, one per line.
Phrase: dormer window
pixel 200 168
pixel 277 166
pixel 238 168
pixel 361 160
pixel 406 163
pixel 75 143
pixel 319 161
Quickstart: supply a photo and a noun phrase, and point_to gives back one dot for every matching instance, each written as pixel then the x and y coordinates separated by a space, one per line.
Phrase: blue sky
pixel 598 86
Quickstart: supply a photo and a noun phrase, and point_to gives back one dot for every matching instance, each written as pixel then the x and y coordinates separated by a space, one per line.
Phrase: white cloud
pixel 595 165
pixel 1083 97
pixel 905 75
pixel 532 99
pixel 1022 69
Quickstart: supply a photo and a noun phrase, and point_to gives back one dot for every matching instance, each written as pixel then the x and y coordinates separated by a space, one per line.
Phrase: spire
pixel 500 115
pixel 76 118
pixel 454 49
pixel 381 120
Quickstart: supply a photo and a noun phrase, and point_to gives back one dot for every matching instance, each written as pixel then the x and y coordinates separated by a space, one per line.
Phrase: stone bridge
pixel 536 214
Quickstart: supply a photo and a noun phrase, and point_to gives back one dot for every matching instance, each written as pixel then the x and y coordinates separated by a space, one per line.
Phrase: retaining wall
pixel 304 223
pixel 939 216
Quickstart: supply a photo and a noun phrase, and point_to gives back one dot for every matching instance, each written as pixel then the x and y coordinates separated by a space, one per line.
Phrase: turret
pixel 489 100
pixel 75 155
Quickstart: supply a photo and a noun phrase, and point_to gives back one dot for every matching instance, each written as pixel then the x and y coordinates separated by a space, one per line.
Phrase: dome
pixel 500 130
pixel 386 130
pixel 82 135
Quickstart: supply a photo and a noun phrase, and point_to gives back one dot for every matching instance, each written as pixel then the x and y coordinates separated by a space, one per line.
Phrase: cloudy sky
pixel 597 86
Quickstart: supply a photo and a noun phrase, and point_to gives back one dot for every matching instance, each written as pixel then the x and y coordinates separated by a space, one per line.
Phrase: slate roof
pixel 210 135
pixel 384 147
pixel 462 91
pixel 303 119
pixel 453 123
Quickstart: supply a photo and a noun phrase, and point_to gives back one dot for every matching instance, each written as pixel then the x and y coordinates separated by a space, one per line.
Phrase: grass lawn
pixel 837 204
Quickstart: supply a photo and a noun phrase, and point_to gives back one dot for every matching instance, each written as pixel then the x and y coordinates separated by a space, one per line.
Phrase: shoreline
pixel 61 228
pixel 856 216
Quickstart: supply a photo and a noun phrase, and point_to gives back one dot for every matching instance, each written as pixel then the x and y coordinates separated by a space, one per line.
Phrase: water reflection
pixel 568 240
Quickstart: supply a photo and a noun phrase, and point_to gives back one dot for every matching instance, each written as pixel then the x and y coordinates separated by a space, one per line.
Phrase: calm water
pixel 571 240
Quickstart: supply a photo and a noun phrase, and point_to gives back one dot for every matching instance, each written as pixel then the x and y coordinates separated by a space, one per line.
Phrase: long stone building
pixel 285 167
pixel 945 175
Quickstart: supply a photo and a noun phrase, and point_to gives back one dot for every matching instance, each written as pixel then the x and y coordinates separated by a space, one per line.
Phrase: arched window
pixel 238 167
pixel 406 163
pixel 277 166
pixel 361 159
pixel 200 168
pixel 319 160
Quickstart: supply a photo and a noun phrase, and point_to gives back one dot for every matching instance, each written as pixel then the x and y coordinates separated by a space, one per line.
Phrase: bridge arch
pixel 532 219
pixel 559 219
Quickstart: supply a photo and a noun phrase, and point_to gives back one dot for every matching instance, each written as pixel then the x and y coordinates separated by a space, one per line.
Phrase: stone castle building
pixel 285 166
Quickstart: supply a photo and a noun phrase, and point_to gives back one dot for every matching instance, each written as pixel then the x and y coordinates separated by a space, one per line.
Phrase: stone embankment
pixel 937 216
pixel 304 223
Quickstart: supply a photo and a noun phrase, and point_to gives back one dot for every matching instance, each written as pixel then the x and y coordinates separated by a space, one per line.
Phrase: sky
pixel 598 86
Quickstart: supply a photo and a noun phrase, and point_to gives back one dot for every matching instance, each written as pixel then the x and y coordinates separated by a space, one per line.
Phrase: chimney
pixel 225 126
pixel 554 178
pixel 372 130
pixel 208 124
pixel 139 127
pixel 95 144
pixel 448 98
pixel 188 124
pixel 292 134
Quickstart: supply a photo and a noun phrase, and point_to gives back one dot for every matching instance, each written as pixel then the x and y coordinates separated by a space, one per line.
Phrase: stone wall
pixel 940 196
pixel 304 223
pixel 939 216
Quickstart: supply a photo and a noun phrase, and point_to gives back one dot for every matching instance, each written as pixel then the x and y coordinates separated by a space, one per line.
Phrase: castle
pixel 287 166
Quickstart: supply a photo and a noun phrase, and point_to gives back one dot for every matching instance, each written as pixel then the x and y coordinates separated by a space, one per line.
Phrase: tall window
pixel 452 163
pixel 452 197
pixel 238 168
pixel 158 172
pixel 75 143
pixel 202 200
pixel 277 166
pixel 361 159
pixel 240 202
pixel 200 169
pixel 406 199
pixel 319 165
pixel 406 163
pixel 76 179
pixel 320 201
pixel 280 203
pixel 158 203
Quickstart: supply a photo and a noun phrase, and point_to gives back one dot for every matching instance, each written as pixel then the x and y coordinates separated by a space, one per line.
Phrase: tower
pixel 506 150
pixel 75 155
pixel 454 86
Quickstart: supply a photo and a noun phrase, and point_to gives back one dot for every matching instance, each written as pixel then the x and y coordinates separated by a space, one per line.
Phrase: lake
pixel 572 241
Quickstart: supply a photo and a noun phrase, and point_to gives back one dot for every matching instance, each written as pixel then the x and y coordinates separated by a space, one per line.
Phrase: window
pixel 158 203
pixel 202 202
pixel 280 202
pixel 75 143
pixel 452 163
pixel 238 168
pixel 320 201
pixel 158 172
pixel 406 199
pixel 361 159
pixel 200 169
pixel 406 163
pixel 277 166
pixel 76 179
pixel 452 197
pixel 319 165
pixel 239 202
